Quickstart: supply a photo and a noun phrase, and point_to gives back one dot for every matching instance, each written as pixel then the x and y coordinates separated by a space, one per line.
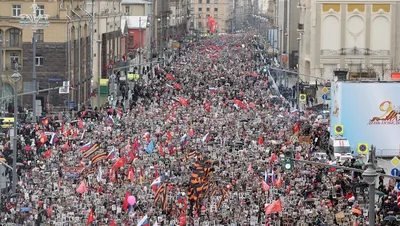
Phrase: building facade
pixel 220 10
pixel 64 49
pixel 287 22
pixel 136 7
pixel 354 36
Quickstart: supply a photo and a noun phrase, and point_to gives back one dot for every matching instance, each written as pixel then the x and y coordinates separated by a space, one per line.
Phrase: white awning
pixel 341 143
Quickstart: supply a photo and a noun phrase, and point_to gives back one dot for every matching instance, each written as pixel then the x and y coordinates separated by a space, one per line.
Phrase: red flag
pixel 90 218
pixel 49 211
pixel 274 207
pixel 260 140
pixel 126 204
pixel 45 121
pixel 43 139
pixel 177 86
pixel 81 188
pixel 278 183
pixel 65 147
pixel 119 163
pixel 135 145
pixel 80 124
pixel 182 219
pixel 161 150
pixel 112 223
pixel 183 101
pixel 131 156
pixel 131 174
pixel 112 175
pixel 265 186
pixel 169 77
pixel 273 158
pixel 207 106
pixel 169 136
pixel 48 153
pixel 296 128
pixel 75 134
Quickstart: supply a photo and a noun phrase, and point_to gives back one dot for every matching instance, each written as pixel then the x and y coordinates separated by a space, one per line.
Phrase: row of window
pixel 13 40
pixel 14 58
pixel 16 10
pixel 208 1
pixel 199 24
pixel 208 9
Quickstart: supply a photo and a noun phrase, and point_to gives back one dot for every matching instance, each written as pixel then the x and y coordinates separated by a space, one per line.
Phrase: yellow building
pixel 67 36
pixel 220 10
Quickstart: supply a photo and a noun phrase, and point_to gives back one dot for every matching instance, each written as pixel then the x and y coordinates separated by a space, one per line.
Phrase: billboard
pixel 369 113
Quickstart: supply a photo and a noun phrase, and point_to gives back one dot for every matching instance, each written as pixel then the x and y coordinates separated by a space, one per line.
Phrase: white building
pixel 358 36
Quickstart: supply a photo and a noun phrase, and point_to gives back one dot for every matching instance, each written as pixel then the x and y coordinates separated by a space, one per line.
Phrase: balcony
pixel 355 52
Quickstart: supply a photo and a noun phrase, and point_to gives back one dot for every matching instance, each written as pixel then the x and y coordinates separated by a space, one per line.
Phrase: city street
pixel 209 132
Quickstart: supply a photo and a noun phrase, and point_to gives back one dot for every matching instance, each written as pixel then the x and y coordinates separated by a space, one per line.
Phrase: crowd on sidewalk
pixel 200 144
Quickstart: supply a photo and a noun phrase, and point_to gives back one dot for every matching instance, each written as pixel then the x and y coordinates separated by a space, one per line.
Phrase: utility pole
pixel 140 46
pixel 99 72
pixel 79 67
pixel 1 72
pixel 34 21
pixel 69 57
pixel 91 16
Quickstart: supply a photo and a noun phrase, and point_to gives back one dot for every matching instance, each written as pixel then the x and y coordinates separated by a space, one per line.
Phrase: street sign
pixel 395 161
pixel 395 172
pixel 325 90
pixel 324 97
pixel 398 186
pixel 362 148
pixel 303 97
pixel 339 129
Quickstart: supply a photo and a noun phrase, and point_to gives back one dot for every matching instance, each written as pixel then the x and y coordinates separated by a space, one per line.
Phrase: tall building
pixel 358 37
pixel 63 49
pixel 169 23
pixel 286 25
pixel 220 10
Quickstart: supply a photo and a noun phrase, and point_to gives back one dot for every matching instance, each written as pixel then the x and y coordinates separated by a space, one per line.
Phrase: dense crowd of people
pixel 200 142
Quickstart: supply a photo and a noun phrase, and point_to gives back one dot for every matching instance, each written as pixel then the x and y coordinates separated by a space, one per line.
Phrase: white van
pixel 340 145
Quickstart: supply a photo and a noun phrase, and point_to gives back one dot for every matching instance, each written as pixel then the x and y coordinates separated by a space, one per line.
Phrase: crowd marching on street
pixel 200 143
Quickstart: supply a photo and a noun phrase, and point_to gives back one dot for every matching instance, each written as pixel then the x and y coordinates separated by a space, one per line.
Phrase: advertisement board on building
pixel 369 113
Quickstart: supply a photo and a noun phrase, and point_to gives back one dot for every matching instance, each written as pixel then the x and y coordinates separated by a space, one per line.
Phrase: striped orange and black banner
pixel 99 157
pixel 159 193
pixel 392 115
pixel 164 199
pixel 223 197
pixel 91 150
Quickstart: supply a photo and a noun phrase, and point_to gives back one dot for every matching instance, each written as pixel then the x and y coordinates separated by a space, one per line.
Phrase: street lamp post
pixel 99 72
pixel 369 176
pixel 34 20
pixel 15 77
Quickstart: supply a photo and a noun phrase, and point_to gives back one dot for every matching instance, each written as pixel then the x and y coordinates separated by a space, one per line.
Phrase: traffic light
pixel 288 161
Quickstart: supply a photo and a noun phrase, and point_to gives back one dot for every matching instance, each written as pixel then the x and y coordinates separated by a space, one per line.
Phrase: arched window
pixel 14 37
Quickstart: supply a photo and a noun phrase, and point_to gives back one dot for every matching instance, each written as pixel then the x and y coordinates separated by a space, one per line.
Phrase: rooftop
pixel 129 2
